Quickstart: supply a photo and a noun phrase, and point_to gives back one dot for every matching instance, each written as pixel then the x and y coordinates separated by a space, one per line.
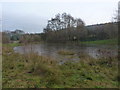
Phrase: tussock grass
pixel 34 71
pixel 66 52
pixel 31 65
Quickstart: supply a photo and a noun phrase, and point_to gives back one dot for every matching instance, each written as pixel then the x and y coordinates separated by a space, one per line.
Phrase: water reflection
pixel 51 50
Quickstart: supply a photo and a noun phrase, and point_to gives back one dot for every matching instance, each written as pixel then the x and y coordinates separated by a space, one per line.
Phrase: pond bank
pixel 34 71
pixel 102 42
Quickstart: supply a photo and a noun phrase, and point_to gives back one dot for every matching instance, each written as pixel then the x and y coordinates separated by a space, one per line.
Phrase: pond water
pixel 51 50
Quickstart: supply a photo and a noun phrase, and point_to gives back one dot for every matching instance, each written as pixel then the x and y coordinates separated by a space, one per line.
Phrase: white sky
pixel 32 15
pixel 59 0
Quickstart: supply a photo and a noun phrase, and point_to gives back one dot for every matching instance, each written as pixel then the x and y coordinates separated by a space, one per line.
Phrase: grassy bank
pixel 11 44
pixel 102 42
pixel 33 71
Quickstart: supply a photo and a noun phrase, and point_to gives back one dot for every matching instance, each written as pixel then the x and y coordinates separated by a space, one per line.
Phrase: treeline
pixel 20 36
pixel 10 36
pixel 64 28
pixel 30 38
pixel 102 31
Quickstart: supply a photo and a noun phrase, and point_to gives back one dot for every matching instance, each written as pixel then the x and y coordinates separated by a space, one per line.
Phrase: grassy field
pixel 103 42
pixel 33 71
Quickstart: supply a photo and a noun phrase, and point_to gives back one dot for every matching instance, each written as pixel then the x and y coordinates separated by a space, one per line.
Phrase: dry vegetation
pixel 66 52
pixel 33 71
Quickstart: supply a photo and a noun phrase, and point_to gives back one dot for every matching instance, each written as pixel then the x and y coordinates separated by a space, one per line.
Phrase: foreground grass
pixel 33 71
pixel 102 42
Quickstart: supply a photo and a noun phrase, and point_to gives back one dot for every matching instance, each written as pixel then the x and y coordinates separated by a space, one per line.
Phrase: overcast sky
pixel 32 16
